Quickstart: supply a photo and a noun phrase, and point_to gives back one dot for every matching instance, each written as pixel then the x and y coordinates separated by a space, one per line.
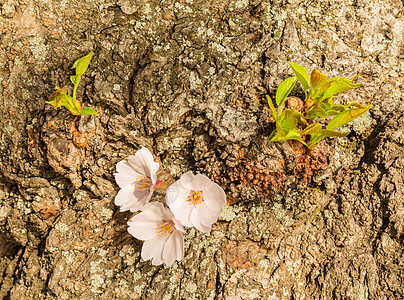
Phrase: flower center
pixel 143 184
pixel 165 229
pixel 195 198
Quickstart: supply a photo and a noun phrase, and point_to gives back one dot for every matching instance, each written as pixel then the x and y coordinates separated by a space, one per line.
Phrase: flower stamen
pixel 165 229
pixel 143 184
pixel 195 198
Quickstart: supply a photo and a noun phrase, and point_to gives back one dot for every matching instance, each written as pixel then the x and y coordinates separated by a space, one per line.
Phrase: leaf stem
pixel 75 87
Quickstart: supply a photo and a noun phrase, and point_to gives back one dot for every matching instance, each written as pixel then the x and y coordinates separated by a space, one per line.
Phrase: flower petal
pixel 142 162
pixel 161 212
pixel 125 174
pixel 156 207
pixel 167 214
pixel 173 248
pixel 194 182
pixel 153 249
pixel 208 217
pixel 145 199
pixel 198 218
pixel 202 215
pixel 179 249
pixel 143 226
pixel 185 180
pixel 182 213
pixel 201 182
pixel 176 195
pixel 214 197
pixel 136 166
pixel 178 225
pixel 128 198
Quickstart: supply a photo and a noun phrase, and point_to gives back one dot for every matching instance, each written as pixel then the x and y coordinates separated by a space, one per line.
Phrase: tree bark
pixel 188 79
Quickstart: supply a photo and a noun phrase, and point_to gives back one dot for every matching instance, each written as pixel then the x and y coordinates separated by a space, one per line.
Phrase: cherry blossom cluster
pixel 193 201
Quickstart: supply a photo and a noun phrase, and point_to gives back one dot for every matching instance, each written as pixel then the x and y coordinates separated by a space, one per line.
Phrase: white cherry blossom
pixel 136 176
pixel 163 235
pixel 196 201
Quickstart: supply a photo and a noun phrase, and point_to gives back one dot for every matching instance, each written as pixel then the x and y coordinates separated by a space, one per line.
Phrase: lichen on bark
pixel 188 80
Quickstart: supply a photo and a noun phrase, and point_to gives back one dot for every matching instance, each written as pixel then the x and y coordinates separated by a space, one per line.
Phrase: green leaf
pixel 286 127
pixel 309 102
pixel 82 63
pixel 335 109
pixel 316 111
pixel 56 97
pixel 317 133
pixel 301 74
pixel 284 89
pixel 288 120
pixel 338 85
pixel 348 115
pixel 290 135
pixel 330 133
pixel 61 98
pixel 75 79
pixel 88 111
pixel 313 128
pixel 77 104
pixel 72 105
pixel 317 79
pixel 315 138
pixel 314 131
pixel 324 108
pixel 287 124
pixel 272 107
pixel 272 134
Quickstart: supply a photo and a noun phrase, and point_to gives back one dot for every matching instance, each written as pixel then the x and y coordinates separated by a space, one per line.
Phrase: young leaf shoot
pixel 304 125
pixel 61 97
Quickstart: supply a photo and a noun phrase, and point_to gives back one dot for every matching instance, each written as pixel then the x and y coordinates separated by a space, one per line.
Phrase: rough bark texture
pixel 187 79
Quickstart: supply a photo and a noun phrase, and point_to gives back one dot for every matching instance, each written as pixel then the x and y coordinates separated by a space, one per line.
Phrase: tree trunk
pixel 188 79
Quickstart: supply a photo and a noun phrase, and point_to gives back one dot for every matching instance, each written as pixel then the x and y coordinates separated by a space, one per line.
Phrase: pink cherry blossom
pixel 136 176
pixel 196 201
pixel 163 235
